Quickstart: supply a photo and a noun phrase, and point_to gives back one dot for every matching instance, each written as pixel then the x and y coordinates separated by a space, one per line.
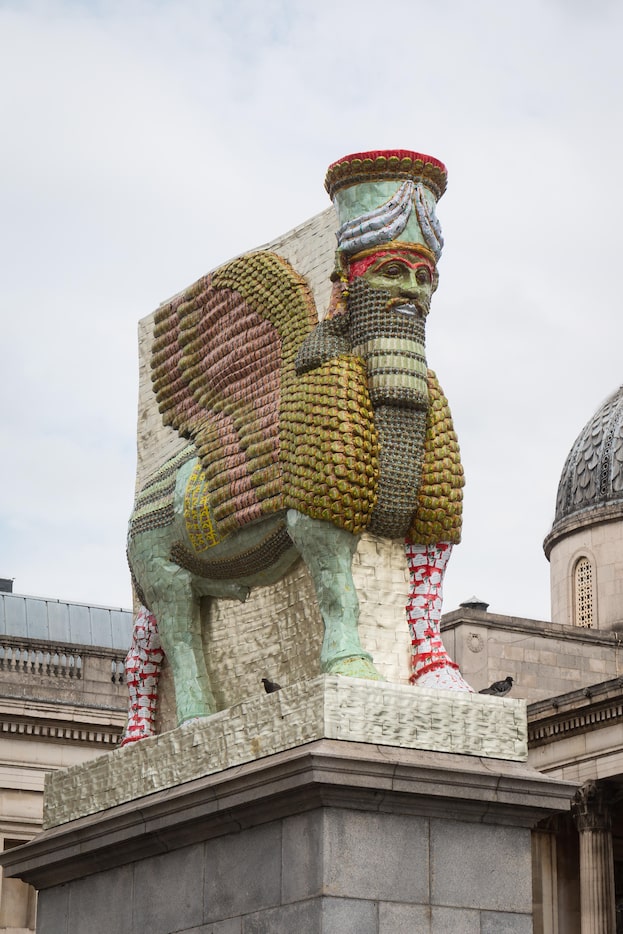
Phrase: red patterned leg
pixel 431 664
pixel 142 667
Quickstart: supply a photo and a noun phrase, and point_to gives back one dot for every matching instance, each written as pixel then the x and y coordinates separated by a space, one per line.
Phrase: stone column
pixel 545 877
pixel 591 812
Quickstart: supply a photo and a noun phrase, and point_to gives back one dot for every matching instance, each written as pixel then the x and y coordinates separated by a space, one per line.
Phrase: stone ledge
pixel 467 616
pixel 326 773
pixel 584 518
pixel 328 707
pixel 76 723
pixel 586 710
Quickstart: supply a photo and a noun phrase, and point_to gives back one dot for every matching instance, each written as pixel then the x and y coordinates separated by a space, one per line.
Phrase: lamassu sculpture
pixel 302 434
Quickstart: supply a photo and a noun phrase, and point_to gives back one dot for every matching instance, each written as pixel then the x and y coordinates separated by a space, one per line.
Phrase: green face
pixel 407 277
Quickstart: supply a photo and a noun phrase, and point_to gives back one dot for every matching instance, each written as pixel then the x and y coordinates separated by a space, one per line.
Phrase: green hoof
pixel 192 716
pixel 354 667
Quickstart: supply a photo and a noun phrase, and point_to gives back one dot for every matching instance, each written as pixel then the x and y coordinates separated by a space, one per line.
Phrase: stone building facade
pixel 62 701
pixel 570 670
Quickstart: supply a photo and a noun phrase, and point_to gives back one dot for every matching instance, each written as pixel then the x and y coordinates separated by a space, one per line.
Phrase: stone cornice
pixel 587 709
pixel 60 722
pixel 543 628
pixel 592 515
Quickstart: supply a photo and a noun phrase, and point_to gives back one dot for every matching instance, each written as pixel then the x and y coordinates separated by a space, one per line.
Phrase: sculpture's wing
pixel 222 353
pixel 439 512
pixel 330 446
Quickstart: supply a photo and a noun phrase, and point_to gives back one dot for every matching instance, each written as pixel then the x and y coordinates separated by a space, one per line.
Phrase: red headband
pixel 359 266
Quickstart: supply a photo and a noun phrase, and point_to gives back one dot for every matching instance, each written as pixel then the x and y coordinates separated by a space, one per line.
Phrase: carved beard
pixel 391 343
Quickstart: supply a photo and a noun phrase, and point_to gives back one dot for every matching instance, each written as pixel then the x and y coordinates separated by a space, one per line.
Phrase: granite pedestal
pixel 325 835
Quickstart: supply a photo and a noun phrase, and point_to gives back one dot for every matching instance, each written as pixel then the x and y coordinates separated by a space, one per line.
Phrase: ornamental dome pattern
pixel 593 473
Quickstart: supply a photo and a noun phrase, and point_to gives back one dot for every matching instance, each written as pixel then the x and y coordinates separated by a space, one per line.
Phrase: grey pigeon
pixel 499 688
pixel 270 686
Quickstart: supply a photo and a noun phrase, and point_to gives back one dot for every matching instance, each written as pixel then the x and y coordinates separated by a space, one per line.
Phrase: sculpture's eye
pixel 423 275
pixel 393 270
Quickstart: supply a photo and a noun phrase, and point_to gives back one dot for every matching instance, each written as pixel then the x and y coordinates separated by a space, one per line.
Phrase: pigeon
pixel 270 686
pixel 499 688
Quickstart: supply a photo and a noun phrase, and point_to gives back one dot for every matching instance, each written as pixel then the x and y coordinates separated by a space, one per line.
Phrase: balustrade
pixel 25 656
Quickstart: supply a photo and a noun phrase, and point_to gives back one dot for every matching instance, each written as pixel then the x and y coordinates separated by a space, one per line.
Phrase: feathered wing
pixel 330 447
pixel 439 511
pixel 222 358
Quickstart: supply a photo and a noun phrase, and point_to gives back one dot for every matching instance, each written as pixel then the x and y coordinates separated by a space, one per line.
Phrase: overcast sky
pixel 144 143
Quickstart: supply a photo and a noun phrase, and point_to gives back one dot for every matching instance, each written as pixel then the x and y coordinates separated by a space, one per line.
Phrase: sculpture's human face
pixel 407 276
pixel 389 293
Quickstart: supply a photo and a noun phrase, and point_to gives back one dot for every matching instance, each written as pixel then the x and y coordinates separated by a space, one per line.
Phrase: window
pixel 583 593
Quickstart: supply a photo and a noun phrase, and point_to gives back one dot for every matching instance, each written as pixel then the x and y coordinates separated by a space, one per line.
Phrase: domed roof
pixel 592 478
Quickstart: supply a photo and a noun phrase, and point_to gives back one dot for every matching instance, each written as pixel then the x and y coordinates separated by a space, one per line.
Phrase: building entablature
pixel 575 712
pixel 537 627
pixel 576 736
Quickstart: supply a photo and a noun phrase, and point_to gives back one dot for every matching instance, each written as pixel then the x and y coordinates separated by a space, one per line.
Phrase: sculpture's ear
pixel 330 338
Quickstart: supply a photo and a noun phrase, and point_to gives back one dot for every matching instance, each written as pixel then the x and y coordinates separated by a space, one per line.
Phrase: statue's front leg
pixel 432 667
pixel 328 553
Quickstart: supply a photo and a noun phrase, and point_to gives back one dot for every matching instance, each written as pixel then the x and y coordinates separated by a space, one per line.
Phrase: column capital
pixel 591 807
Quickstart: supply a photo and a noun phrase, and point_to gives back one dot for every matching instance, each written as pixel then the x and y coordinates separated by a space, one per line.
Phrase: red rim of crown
pixel 386 164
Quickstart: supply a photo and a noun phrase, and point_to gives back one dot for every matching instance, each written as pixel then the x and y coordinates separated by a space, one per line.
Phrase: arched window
pixel 583 593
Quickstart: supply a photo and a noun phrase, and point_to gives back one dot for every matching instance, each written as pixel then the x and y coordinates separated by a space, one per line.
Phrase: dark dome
pixel 592 478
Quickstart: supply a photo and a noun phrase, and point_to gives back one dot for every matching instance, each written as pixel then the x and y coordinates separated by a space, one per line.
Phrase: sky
pixel 145 142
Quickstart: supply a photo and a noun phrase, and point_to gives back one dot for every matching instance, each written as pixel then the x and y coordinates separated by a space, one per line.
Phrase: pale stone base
pixel 328 707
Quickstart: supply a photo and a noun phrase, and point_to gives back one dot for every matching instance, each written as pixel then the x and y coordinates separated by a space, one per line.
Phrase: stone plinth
pixel 327 835
pixel 326 707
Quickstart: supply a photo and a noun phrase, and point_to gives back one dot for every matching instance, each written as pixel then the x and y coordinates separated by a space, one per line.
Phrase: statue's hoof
pixel 354 667
pixel 194 717
pixel 446 678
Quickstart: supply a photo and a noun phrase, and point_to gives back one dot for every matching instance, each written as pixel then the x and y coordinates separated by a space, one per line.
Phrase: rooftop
pixel 64 622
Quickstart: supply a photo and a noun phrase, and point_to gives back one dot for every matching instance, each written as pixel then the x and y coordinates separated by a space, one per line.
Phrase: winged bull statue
pixel 301 434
